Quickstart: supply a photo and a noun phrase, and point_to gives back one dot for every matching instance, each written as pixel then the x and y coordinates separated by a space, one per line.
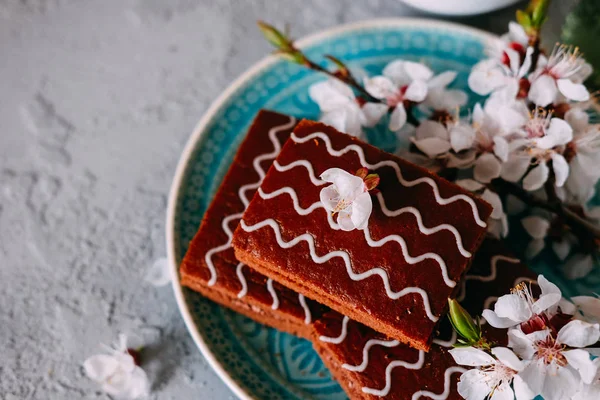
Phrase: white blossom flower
pixel 556 364
pixel 515 39
pixel 403 81
pixel 506 75
pixel 561 74
pixel 159 273
pixel 348 196
pixel 117 372
pixel 520 306
pixel 493 377
pixel 340 107
pixel 541 136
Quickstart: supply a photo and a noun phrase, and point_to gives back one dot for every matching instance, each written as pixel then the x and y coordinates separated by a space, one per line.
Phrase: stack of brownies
pixel 371 299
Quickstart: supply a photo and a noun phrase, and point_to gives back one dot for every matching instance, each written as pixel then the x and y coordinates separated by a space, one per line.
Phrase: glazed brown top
pixel 368 296
pixel 228 203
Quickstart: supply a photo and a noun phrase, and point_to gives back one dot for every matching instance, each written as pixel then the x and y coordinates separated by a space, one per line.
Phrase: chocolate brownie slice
pixel 396 274
pixel 210 266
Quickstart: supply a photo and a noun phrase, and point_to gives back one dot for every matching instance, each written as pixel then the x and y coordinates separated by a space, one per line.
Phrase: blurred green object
pixel 582 28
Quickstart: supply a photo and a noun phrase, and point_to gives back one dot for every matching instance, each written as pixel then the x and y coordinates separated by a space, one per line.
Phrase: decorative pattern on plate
pixel 284 87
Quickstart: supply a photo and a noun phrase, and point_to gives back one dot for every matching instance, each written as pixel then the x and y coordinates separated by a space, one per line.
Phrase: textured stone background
pixel 97 99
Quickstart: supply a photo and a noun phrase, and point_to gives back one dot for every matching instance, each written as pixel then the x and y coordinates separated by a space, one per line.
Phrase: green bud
pixel 538 11
pixel 524 19
pixel 463 323
pixel 275 37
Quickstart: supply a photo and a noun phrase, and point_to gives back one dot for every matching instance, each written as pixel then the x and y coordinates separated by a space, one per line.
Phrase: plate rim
pixel 200 130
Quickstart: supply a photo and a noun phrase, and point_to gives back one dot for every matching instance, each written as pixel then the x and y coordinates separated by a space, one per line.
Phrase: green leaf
pixel 582 29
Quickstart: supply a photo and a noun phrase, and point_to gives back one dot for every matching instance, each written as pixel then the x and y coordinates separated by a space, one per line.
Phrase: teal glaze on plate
pixel 256 361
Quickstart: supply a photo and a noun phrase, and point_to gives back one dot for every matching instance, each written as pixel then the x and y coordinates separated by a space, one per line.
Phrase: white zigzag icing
pixel 388 374
pixel 341 337
pixel 242 194
pixel 300 163
pixel 386 163
pixel 427 231
pixel 446 343
pixel 240 275
pixel 373 243
pixel 307 315
pixel 365 360
pixel 446 392
pixel 223 247
pixel 344 256
pixel 273 293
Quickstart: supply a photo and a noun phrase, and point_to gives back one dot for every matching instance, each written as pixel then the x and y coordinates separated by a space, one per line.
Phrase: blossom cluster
pixel 548 351
pixel 533 131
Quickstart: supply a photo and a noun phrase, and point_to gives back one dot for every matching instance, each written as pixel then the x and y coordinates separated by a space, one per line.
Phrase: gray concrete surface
pixel 97 99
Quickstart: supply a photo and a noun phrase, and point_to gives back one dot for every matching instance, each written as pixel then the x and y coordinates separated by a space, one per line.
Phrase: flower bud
pixel 371 181
pixel 275 37
pixel 463 322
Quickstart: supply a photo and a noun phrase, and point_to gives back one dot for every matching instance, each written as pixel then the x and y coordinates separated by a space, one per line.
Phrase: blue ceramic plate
pixel 253 360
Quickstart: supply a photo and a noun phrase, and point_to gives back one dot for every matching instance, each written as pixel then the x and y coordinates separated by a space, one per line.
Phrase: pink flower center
pixel 538 123
pixel 550 351
pixel 396 98
pixel 498 373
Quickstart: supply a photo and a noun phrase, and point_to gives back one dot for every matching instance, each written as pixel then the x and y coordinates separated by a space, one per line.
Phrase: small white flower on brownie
pixel 349 197
pixel 118 373
pixel 493 377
